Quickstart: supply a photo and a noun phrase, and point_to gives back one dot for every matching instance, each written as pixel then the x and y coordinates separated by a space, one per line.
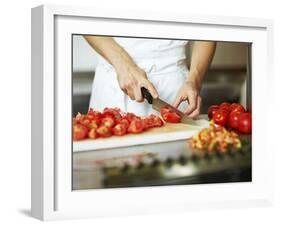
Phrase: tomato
pixel 171 117
pixel 94 115
pixel 103 131
pixel 93 125
pixel 245 123
pixel 93 134
pixel 233 119
pixel 164 110
pixel 80 132
pixel 237 107
pixel 156 121
pixel 225 106
pixel 130 116
pixel 220 117
pixel 124 121
pixel 136 126
pixel 113 112
pixel 119 129
pixel 211 110
pixel 108 121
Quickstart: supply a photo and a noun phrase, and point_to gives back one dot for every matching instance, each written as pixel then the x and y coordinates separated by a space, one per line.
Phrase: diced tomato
pixel 80 132
pixel 136 126
pixel 93 134
pixel 94 115
pixel 103 131
pixel 119 129
pixel 147 122
pixel 93 125
pixel 114 112
pixel 131 116
pixel 156 121
pixel 124 121
pixel 108 121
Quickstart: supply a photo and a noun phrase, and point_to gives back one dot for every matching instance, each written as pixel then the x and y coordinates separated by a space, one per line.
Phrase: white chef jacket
pixel 164 62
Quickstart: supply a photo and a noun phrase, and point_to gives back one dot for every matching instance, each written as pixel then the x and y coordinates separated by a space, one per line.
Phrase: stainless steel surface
pixel 157 104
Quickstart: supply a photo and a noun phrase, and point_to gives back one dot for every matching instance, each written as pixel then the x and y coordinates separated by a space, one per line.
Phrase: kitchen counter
pixel 173 162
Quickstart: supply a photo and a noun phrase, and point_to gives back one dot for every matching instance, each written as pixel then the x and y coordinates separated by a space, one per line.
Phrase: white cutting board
pixel 169 132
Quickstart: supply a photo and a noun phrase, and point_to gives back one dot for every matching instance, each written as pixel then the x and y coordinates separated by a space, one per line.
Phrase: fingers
pixel 178 100
pixel 138 94
pixel 196 111
pixel 192 100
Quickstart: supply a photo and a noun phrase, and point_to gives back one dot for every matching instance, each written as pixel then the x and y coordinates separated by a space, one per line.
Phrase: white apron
pixel 162 60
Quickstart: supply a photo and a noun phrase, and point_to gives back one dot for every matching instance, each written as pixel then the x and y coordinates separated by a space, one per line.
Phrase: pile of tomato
pixel 111 121
pixel 233 116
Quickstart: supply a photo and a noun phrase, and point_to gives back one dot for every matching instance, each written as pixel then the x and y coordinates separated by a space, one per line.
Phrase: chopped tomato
pixel 108 121
pixel 80 132
pixel 130 116
pixel 156 121
pixel 94 115
pixel 114 112
pixel 103 131
pixel 93 134
pixel 136 126
pixel 119 129
pixel 124 121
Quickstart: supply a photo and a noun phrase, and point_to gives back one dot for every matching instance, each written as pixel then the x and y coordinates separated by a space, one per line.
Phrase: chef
pixel 125 65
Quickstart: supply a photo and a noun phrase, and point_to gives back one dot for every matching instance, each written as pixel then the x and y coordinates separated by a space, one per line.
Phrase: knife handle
pixel 146 95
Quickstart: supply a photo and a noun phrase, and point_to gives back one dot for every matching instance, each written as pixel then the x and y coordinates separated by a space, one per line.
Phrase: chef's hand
pixel 189 92
pixel 131 79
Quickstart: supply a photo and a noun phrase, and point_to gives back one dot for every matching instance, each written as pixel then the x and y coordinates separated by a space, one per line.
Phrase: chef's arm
pixel 130 77
pixel 202 55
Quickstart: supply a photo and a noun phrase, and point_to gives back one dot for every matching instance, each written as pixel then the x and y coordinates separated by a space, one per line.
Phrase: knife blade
pixel 157 104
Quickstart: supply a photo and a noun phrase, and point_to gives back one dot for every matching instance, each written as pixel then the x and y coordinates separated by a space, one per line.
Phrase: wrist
pixel 195 79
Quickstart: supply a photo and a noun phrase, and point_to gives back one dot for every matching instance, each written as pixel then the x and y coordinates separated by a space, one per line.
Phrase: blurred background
pixel 224 81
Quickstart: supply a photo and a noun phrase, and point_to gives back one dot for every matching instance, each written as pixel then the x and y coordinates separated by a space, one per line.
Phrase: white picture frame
pixel 52 197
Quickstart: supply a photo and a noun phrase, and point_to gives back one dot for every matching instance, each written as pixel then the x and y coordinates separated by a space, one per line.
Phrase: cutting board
pixel 169 132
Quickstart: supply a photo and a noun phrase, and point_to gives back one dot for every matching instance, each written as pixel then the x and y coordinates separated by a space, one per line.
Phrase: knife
pixel 157 104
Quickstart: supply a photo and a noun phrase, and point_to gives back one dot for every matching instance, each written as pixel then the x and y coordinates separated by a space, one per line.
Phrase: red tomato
pixel 136 126
pixel 220 117
pixel 93 134
pixel 156 121
pixel 130 116
pixel 233 119
pixel 171 117
pixel 164 110
pixel 114 112
pixel 103 131
pixel 80 132
pixel 108 121
pixel 225 106
pixel 211 110
pixel 119 129
pixel 245 123
pixel 124 121
pixel 237 107
pixel 94 115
